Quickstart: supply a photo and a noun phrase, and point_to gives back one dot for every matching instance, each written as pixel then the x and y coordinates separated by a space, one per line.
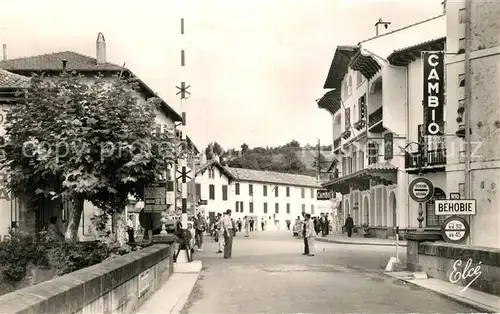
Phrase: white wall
pixel 218 205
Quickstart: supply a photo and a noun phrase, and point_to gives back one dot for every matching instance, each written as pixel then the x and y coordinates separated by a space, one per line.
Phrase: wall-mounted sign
pixel 455 229
pixel 155 197
pixel 433 98
pixel 203 202
pixel 454 196
pixel 324 195
pixel 455 207
pixel 388 146
pixel 143 285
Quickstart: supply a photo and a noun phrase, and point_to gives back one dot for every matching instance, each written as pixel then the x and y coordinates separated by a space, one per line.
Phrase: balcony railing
pixel 336 143
pixel 375 117
pixel 434 158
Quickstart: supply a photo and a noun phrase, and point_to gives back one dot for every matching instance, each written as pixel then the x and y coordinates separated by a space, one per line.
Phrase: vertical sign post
pixel 433 97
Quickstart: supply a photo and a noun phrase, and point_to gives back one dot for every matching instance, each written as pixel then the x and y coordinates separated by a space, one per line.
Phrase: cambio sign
pixel 433 64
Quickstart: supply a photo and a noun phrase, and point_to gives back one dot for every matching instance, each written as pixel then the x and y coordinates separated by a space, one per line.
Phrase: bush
pixel 66 258
pixel 17 253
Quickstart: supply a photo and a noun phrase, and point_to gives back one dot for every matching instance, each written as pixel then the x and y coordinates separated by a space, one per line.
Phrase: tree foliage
pixel 82 140
pixel 320 163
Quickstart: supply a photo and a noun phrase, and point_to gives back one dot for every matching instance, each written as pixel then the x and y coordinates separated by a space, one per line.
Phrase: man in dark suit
pixel 349 224
pixel 306 245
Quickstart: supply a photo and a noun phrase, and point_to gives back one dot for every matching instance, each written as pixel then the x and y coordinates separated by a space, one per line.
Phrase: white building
pixel 371 96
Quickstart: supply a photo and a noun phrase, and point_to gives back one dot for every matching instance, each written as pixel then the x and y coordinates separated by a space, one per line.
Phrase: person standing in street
pixel 251 224
pixel 323 223
pixel 288 223
pixel 303 226
pixel 227 225
pixel 246 226
pixel 240 224
pixel 130 228
pixel 310 234
pixel 220 231
pixel 199 227
pixel 349 224
pixel 262 224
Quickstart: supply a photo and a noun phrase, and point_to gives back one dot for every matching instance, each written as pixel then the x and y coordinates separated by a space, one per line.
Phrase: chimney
pixel 4 46
pixel 64 62
pixel 380 22
pixel 444 6
pixel 100 49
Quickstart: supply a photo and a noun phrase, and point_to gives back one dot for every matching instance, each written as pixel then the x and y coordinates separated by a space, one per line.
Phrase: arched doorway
pixel 431 220
pixel 346 208
pixel 393 207
pixel 366 206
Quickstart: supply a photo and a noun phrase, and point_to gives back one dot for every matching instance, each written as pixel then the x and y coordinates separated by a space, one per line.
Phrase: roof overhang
pixel 361 179
pixel 405 56
pixel 365 63
pixel 331 101
pixel 339 67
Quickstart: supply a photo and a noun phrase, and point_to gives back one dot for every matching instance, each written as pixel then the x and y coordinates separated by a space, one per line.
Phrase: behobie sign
pixel 433 101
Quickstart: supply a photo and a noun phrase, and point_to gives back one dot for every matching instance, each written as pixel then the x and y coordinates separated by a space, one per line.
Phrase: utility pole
pixel 318 162
pixel 467 111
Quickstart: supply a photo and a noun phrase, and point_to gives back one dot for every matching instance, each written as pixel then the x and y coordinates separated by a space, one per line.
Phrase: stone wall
pixel 437 260
pixel 119 285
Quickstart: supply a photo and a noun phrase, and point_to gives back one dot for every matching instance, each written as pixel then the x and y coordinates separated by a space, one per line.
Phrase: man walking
pixel 303 226
pixel 199 227
pixel 310 234
pixel 262 224
pixel 324 226
pixel 251 224
pixel 228 234
pixel 247 227
pixel 220 231
pixel 349 224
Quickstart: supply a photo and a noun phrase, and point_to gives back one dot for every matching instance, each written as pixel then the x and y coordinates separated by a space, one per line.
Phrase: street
pixel 268 274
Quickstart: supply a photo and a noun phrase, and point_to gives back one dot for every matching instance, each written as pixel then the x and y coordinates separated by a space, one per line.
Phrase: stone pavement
pixel 484 302
pixel 357 240
pixel 268 274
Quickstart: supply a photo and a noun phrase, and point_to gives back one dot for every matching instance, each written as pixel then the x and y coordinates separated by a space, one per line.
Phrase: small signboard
pixel 455 207
pixel 454 196
pixel 203 202
pixel 455 229
pixel 323 195
pixel 421 190
pixel 143 285
pixel 155 197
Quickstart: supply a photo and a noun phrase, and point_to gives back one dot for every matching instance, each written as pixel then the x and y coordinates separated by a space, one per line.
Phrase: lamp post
pixel 421 159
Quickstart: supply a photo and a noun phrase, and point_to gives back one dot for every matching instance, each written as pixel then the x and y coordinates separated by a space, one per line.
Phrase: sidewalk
pixel 357 240
pixel 481 301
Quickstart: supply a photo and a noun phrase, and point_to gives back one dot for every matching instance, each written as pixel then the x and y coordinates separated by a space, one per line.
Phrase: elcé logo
pixel 468 272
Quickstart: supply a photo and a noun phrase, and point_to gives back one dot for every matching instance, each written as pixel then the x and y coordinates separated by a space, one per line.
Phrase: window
pixel 303 192
pixel 344 166
pixel 431 220
pixel 312 193
pixel 288 208
pixel 349 86
pixel 461 45
pixel 265 208
pixel 241 207
pixel 287 191
pixel 224 192
pixel 211 191
pixel 250 189
pixel 347 119
pixel 277 208
pixel 237 188
pixel 264 190
pixel 354 161
pixel 312 209
pixel 361 160
pixel 276 191
pixel 303 208
pixel 362 107
pixel 461 16
pixel 372 153
pixel 236 206
pixel 250 207
pixel 359 78
pixel 197 189
pixel 461 80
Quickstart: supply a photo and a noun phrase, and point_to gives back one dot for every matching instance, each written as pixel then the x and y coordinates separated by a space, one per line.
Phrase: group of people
pixel 321 224
pixel 224 230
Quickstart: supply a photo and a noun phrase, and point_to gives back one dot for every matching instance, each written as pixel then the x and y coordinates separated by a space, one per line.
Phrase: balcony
pixel 435 161
pixel 375 124
pixel 336 144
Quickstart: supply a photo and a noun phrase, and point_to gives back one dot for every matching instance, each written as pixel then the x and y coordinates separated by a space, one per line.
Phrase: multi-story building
pixel 376 89
pixel 472 85
pixel 89 67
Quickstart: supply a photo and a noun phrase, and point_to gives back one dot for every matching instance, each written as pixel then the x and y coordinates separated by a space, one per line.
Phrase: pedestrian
pixel 303 227
pixel 220 232
pixel 262 224
pixel 199 227
pixel 288 225
pixel 130 229
pixel 227 225
pixel 247 226
pixel 239 224
pixel 323 223
pixel 349 224
pixel 251 224
pixel 310 234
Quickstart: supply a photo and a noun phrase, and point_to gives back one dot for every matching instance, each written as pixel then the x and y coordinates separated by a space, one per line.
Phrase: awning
pixel 379 173
pixel 330 101
pixel 367 65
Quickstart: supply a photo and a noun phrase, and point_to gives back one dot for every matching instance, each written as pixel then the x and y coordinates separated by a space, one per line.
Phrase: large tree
pixel 320 163
pixel 95 141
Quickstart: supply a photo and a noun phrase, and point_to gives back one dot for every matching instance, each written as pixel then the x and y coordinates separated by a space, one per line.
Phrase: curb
pixel 357 243
pixel 482 308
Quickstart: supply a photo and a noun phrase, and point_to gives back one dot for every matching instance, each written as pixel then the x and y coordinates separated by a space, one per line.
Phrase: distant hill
pixel 289 158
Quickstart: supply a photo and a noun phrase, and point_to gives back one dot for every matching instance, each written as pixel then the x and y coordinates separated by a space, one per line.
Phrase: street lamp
pixel 421 160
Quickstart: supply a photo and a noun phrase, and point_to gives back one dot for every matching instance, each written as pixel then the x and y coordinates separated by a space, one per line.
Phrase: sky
pixel 255 67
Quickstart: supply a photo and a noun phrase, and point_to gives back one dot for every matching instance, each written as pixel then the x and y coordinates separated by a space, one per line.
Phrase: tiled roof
pixel 212 163
pixel 385 165
pixel 274 177
pixel 11 80
pixel 415 46
pixel 53 61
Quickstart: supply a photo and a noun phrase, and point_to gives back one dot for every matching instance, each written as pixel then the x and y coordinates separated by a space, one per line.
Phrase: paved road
pixel 268 274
